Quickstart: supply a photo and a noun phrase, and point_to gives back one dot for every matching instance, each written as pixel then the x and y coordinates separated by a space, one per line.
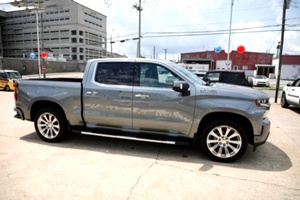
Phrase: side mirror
pixel 180 86
pixel 205 79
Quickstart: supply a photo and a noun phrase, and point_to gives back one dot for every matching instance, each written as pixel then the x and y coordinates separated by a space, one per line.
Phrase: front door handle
pixel 142 96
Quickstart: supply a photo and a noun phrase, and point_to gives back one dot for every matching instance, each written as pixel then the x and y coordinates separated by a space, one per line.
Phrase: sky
pixel 171 27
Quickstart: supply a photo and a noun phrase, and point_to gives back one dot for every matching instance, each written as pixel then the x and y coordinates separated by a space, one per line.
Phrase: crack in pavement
pixel 8 136
pixel 145 172
pixel 35 164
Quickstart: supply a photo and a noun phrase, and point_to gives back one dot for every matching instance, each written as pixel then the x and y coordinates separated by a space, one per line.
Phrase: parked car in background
pixel 261 80
pixel 230 77
pixel 291 94
pixel 7 79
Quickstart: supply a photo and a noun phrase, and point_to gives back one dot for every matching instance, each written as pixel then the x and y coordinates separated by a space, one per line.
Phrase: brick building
pixel 260 63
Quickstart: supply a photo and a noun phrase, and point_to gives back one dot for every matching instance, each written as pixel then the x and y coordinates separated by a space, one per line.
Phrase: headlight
pixel 263 103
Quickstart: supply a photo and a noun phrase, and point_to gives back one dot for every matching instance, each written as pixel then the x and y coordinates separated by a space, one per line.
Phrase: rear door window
pixel 116 73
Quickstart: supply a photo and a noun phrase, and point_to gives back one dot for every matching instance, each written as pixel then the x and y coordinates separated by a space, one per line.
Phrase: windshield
pixel 14 75
pixel 191 75
pixel 260 77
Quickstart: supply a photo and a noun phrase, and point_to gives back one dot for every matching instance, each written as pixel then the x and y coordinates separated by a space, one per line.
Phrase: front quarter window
pixel 153 75
pixel 191 76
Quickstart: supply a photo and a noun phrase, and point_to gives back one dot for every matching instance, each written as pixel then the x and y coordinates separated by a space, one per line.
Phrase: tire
pixel 283 101
pixel 51 125
pixel 6 88
pixel 224 140
pixel 250 81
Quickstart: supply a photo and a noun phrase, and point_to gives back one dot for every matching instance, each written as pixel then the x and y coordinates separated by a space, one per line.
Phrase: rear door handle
pixel 92 92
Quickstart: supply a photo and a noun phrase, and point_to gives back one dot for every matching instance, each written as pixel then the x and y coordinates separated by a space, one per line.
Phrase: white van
pixel 7 78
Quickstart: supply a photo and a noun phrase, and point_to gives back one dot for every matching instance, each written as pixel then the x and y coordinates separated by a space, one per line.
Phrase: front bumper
pixel 265 131
pixel 267 84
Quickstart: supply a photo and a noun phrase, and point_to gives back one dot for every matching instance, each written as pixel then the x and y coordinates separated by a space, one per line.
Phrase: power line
pixel 203 33
pixel 277 25
pixel 215 33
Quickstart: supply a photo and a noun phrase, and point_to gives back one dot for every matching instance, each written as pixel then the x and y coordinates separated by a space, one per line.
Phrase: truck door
pixel 107 98
pixel 157 108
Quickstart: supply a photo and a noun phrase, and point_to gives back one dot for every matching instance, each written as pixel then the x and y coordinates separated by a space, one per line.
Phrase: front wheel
pixel 224 140
pixel 6 88
pixel 51 125
pixel 283 101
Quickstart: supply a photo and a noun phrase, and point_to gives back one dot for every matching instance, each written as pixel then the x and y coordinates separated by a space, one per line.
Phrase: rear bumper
pixel 19 114
pixel 265 131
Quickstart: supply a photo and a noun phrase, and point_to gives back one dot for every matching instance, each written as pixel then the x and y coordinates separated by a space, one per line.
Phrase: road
pixel 89 167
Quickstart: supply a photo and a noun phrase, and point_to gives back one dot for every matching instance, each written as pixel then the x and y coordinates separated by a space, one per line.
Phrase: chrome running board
pixel 128 138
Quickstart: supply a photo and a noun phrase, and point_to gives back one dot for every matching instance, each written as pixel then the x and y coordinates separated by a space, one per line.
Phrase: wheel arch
pixel 44 104
pixel 242 120
pixel 7 88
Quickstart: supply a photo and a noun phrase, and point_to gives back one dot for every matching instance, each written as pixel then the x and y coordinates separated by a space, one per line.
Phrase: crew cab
pixel 131 99
pixel 291 94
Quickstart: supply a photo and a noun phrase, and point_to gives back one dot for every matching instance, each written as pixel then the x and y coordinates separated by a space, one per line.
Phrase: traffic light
pixel 44 54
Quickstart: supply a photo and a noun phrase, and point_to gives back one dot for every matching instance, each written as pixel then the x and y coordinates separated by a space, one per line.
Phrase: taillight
pixel 16 85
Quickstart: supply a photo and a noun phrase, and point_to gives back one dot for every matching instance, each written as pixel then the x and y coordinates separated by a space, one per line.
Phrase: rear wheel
pixel 224 140
pixel 6 88
pixel 283 101
pixel 51 125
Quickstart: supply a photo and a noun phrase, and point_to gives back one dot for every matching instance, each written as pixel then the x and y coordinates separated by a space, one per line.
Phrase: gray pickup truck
pixel 130 98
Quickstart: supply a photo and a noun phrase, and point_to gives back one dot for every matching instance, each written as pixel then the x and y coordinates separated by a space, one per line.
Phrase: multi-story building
pixel 67 30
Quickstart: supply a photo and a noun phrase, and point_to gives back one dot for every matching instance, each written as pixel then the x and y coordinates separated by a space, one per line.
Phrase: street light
pixel 139 8
pixel 37 9
pixel 18 3
pixel 228 53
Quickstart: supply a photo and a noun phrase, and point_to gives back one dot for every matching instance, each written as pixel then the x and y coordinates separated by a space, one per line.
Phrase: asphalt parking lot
pixel 89 167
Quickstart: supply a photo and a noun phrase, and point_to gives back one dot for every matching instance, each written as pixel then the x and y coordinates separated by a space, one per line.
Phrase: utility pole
pixel 111 42
pixel 43 47
pixel 139 8
pixel 153 52
pixel 38 41
pixel 228 53
pixel 165 54
pixel 286 5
